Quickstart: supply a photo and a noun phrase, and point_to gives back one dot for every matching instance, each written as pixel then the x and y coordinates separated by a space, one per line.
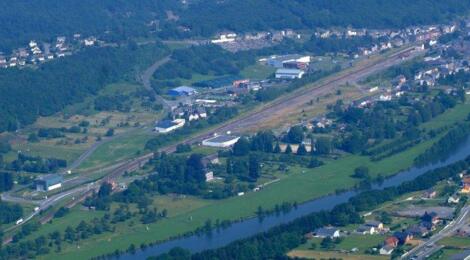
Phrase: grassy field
pixel 100 121
pixel 124 147
pixel 257 72
pixel 361 242
pixel 311 254
pixel 456 242
pixel 298 185
pixel 295 186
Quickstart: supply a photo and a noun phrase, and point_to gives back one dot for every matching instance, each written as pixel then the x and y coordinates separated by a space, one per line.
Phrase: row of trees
pixel 447 144
pixel 35 164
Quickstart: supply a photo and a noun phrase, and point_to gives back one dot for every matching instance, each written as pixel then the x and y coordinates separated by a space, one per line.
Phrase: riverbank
pixel 298 186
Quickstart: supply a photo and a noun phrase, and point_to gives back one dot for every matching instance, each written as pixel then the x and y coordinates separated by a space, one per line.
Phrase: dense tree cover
pixel 183 148
pixel 447 144
pixel 5 147
pixel 275 243
pixel 459 79
pixel 43 20
pixel 319 46
pixel 9 212
pixel 46 19
pixel 295 135
pixel 6 181
pixel 35 164
pixel 29 93
pixel 388 120
pixel 205 60
pixel 112 103
pixel 172 176
pixel 208 17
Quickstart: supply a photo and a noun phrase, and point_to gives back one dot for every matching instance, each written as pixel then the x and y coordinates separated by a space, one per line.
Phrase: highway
pixel 279 108
pixel 427 248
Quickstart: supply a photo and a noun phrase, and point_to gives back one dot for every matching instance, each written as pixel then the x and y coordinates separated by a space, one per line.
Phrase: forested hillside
pixel 207 17
pixel 25 20
pixel 29 93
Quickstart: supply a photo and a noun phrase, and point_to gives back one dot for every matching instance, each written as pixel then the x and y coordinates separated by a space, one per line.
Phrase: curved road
pixel 145 77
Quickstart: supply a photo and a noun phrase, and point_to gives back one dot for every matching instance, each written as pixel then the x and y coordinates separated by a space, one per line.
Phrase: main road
pixel 427 248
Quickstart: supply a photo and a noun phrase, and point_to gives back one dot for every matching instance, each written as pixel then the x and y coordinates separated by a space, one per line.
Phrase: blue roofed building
pixel 182 91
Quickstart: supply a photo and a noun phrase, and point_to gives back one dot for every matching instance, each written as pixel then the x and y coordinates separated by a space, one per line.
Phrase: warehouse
pixel 166 126
pixel 289 74
pixel 48 182
pixel 182 91
pixel 221 141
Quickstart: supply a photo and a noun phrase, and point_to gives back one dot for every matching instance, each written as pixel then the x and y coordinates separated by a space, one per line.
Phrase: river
pixel 253 226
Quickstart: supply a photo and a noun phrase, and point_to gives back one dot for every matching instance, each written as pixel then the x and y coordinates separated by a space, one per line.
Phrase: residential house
pixel 391 241
pixel 366 230
pixel 375 224
pixel 403 237
pixel 453 200
pixel 429 194
pixel 386 250
pixel 465 185
pixel 431 217
pixel 331 232
pixel 418 230
pixel 209 176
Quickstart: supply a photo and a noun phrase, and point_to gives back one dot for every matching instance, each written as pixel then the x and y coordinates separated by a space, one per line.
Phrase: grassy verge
pixel 311 254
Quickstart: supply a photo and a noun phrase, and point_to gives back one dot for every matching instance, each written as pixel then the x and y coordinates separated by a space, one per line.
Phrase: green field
pixel 298 185
pixel 456 242
pixel 361 242
pixel 257 72
pixel 312 254
pixel 121 148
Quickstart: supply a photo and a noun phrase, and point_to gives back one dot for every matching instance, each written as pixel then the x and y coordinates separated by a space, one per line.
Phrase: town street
pixel 427 248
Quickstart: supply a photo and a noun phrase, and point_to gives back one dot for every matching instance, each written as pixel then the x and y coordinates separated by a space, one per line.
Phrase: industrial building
pixel 182 91
pixel 289 74
pixel 221 141
pixel 166 126
pixel 48 182
pixel 293 61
